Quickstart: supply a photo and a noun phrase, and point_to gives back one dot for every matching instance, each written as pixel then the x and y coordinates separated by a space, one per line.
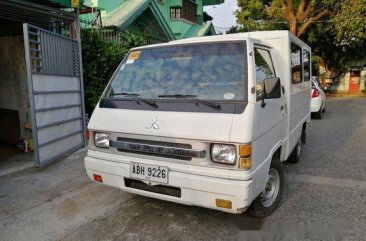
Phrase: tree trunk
pixel 293 27
pixel 322 71
pixel 301 18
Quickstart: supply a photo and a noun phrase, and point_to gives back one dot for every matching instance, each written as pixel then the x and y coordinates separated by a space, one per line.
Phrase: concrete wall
pixel 13 79
pixel 343 85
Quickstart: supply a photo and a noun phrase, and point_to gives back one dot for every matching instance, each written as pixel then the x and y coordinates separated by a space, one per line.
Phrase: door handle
pixel 282 107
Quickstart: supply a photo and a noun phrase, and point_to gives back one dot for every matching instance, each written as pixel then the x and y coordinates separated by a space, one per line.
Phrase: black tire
pixel 260 208
pixel 295 156
pixel 318 115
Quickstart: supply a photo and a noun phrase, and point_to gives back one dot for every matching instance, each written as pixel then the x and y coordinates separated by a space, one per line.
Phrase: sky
pixel 223 15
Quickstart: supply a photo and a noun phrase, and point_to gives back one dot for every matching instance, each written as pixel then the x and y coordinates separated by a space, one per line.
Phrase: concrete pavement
pixel 324 197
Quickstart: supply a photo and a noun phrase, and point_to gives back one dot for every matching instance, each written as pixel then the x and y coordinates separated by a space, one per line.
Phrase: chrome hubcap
pixel 271 190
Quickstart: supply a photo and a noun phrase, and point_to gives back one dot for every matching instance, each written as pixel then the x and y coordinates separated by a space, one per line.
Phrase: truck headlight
pixel 223 153
pixel 101 140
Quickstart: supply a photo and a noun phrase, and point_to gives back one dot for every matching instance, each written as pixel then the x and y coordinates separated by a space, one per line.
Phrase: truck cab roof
pixel 258 37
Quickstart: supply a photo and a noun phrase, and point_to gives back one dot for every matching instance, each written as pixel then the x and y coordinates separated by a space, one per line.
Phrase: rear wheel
pixel 267 202
pixel 296 153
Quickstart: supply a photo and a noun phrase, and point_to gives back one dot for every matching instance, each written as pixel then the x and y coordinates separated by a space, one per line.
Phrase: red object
pixel 87 134
pixel 354 81
pixel 315 93
pixel 98 178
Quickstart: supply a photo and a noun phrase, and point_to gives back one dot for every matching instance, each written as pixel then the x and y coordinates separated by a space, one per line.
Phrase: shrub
pixel 100 59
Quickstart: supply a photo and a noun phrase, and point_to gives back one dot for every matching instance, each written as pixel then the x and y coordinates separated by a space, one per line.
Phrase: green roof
pixel 128 11
pixel 68 3
pixel 212 2
pixel 199 31
pixel 125 13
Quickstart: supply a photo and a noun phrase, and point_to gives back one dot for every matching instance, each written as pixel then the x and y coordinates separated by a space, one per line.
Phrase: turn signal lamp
pixel 245 163
pixel 245 150
pixel 245 160
pixel 221 203
pixel 97 178
pixel 87 134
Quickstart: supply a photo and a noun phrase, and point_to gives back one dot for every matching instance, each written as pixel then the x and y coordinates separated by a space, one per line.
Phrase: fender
pixel 262 170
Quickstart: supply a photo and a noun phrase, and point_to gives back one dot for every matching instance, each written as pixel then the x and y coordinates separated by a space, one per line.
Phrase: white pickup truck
pixel 205 121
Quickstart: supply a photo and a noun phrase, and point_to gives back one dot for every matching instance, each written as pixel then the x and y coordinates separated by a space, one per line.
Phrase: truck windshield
pixel 210 71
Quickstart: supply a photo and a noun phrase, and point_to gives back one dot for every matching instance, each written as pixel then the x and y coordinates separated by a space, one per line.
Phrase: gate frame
pixel 28 65
pixel 29 72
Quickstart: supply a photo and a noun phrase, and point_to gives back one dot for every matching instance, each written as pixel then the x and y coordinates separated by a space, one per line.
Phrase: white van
pixel 205 121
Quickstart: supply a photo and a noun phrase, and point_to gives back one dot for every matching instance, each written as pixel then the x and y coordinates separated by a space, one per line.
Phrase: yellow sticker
pixel 134 55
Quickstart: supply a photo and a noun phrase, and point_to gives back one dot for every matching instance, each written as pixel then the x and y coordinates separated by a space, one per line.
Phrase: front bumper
pixel 196 189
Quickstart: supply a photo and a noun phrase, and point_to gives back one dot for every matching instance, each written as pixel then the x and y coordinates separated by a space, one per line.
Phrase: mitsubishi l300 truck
pixel 205 121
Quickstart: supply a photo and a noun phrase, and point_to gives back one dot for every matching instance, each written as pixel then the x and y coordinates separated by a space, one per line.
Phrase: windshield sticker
pixel 130 61
pixel 134 55
pixel 229 96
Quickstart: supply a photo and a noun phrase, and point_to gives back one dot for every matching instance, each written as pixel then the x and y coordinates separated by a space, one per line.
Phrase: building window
pixel 175 13
pixel 189 11
pixel 296 64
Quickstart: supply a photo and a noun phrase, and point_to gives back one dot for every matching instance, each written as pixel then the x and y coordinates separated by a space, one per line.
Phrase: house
pixel 158 20
pixel 41 82
pixel 353 81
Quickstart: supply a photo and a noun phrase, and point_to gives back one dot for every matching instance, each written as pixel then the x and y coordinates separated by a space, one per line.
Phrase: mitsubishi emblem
pixel 153 124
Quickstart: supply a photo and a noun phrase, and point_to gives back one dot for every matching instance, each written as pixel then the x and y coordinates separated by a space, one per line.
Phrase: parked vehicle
pixel 318 98
pixel 205 121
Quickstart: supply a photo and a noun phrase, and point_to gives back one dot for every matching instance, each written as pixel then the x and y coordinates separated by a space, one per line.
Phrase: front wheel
pixel 267 202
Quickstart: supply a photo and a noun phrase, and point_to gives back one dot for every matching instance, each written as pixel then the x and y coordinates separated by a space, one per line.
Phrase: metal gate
pixel 55 92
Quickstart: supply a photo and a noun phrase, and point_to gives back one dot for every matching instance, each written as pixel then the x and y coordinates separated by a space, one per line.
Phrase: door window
pixel 263 69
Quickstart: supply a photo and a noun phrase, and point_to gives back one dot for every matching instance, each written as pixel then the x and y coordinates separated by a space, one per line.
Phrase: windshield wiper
pixel 193 97
pixel 136 97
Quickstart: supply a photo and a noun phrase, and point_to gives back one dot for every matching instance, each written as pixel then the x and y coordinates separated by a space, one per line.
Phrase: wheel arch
pixel 303 133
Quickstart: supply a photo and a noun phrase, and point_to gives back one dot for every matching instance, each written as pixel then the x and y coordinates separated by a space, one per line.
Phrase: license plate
pixel 148 172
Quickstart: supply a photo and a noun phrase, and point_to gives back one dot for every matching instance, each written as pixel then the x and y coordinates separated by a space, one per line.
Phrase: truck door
pixel 55 91
pixel 270 113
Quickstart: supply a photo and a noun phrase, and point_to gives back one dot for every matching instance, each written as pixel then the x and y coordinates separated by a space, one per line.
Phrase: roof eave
pixel 212 2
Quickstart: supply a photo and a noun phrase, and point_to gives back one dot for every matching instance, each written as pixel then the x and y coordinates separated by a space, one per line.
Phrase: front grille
pixel 161 189
pixel 157 148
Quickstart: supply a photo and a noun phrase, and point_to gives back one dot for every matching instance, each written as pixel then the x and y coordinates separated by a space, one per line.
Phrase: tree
pixel 350 23
pixel 254 15
pixel 296 15
pixel 335 29
pixel 341 39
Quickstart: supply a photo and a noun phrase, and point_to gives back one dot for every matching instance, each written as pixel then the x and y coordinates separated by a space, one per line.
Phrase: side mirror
pixel 272 88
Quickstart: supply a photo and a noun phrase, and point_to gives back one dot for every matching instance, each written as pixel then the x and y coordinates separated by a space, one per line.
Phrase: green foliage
pixel 294 15
pixel 350 23
pixel 132 40
pixel 254 15
pixel 341 40
pixel 337 36
pixel 100 60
